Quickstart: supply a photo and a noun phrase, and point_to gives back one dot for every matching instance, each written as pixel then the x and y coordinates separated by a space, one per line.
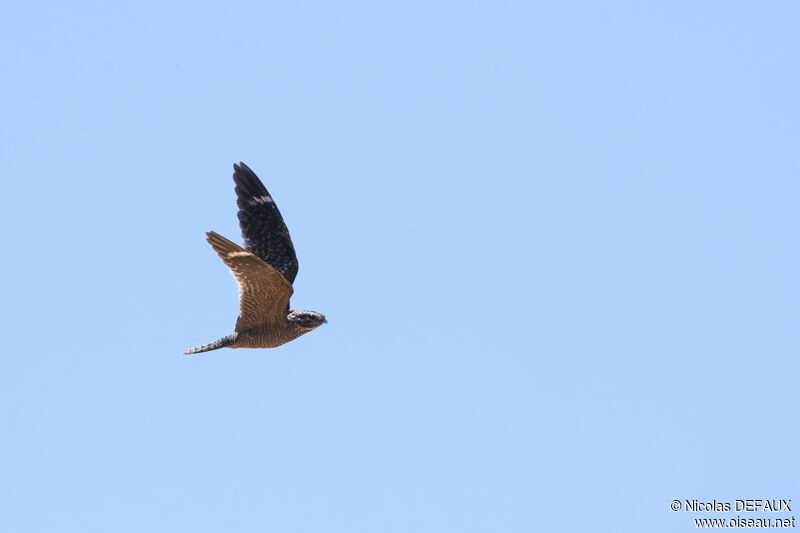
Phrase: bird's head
pixel 307 320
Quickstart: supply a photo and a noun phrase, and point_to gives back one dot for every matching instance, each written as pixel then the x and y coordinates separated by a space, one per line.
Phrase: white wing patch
pixel 238 254
pixel 261 200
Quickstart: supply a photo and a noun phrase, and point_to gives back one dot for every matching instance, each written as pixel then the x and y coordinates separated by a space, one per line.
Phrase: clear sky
pixel 556 243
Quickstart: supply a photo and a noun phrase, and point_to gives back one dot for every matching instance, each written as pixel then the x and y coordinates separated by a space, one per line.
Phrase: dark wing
pixel 263 229
pixel 263 292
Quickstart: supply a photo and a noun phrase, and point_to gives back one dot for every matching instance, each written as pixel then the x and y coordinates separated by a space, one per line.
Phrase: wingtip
pixel 215 240
pixel 240 167
pixel 248 185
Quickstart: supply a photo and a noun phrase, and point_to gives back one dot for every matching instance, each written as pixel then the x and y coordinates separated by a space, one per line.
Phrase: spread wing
pixel 263 292
pixel 263 229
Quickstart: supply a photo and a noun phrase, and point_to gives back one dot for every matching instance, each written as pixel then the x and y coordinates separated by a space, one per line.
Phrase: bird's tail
pixel 221 343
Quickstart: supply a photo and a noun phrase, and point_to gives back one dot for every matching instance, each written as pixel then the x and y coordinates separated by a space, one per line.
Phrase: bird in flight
pixel 264 269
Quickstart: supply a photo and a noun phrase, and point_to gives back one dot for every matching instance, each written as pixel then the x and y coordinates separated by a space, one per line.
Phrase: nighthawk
pixel 265 270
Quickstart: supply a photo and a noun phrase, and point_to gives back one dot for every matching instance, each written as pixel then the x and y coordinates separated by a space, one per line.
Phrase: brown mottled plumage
pixel 265 271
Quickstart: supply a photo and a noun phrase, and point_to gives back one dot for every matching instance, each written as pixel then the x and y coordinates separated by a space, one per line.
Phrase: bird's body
pixel 265 271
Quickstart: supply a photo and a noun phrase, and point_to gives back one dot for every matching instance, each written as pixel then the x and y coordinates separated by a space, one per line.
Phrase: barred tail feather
pixel 221 343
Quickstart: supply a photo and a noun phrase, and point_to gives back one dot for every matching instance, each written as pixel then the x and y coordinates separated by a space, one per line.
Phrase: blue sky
pixel 556 244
